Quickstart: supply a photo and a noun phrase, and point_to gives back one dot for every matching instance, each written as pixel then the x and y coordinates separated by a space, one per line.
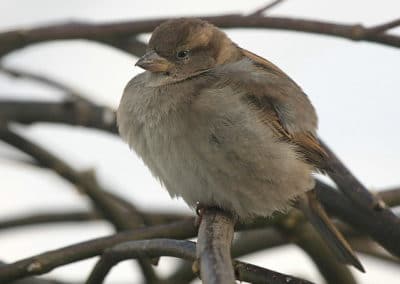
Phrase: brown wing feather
pixel 262 61
pixel 311 149
pixel 308 144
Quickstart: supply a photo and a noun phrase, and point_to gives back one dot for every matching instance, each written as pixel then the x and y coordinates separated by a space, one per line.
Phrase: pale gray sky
pixel 354 87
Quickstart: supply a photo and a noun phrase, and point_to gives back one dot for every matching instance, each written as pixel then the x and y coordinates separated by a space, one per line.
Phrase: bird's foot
pixel 196 267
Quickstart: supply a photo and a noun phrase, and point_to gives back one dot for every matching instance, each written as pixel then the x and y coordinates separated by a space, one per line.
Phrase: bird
pixel 222 127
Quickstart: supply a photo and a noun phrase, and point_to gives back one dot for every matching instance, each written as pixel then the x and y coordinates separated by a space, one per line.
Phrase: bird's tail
pixel 317 216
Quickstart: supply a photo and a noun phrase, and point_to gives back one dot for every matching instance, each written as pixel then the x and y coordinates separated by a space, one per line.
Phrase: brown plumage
pixel 219 125
pixel 305 140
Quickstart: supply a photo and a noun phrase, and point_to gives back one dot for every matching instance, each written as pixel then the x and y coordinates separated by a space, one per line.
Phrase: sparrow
pixel 223 127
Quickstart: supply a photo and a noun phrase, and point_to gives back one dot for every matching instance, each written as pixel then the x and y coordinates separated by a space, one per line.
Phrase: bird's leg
pixel 237 271
pixel 200 208
pixel 199 211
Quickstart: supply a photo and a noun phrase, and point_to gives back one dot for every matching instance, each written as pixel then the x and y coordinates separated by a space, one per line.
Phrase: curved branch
pixel 247 242
pixel 182 229
pixel 114 32
pixel 47 261
pixel 148 248
pixel 181 249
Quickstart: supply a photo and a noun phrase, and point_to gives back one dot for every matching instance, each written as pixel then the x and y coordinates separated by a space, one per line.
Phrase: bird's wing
pixel 271 100
pixel 291 125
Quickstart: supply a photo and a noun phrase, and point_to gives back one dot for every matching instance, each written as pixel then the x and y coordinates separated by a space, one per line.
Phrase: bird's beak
pixel 153 62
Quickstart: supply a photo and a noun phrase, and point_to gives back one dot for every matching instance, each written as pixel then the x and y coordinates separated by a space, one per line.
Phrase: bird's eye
pixel 183 54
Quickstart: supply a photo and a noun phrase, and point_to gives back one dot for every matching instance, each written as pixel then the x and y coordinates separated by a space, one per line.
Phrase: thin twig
pixel 384 27
pixel 44 218
pixel 265 8
pixel 81 216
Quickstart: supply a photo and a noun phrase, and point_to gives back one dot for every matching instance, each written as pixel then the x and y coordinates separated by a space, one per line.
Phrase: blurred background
pixel 353 85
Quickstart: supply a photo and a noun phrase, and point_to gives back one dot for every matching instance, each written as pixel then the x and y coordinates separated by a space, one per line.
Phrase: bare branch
pixel 47 261
pixel 386 235
pixel 381 226
pixel 366 246
pixel 69 112
pixel 367 204
pixel 247 242
pixel 86 182
pixel 357 206
pixel 259 275
pixel 384 27
pixel 36 280
pixel 349 184
pixel 147 248
pixel 214 247
pixel 44 218
pixel 50 260
pixel 181 249
pixel 16 39
pixel 311 242
pixel 82 216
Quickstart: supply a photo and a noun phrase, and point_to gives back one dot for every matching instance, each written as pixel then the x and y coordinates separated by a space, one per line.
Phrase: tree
pixel 146 236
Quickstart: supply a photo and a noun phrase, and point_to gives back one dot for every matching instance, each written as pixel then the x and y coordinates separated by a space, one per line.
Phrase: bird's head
pixel 183 48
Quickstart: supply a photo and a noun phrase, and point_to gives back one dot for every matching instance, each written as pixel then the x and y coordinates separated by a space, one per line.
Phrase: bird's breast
pixel 211 148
